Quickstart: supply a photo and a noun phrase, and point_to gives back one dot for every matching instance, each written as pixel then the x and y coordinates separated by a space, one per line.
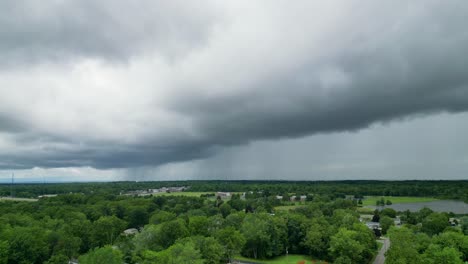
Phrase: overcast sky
pixel 298 90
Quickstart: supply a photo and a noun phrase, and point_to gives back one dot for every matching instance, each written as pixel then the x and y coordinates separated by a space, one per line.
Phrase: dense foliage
pixel 457 190
pixel 87 224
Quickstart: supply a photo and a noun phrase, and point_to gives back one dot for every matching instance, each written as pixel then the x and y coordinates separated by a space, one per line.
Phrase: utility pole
pixel 12 193
pixel 43 185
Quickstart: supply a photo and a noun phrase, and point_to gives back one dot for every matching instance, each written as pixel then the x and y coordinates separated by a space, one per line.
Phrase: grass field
pixel 290 259
pixel 287 207
pixel 371 200
pixel 365 210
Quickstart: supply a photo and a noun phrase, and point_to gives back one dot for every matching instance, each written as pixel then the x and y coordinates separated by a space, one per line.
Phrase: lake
pixel 456 207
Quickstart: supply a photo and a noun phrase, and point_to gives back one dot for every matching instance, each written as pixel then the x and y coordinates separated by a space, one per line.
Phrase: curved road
pixel 380 259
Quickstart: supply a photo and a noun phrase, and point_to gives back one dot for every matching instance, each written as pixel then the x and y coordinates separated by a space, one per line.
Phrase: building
pixel 374 226
pixel 223 194
pixel 47 195
pixel 130 231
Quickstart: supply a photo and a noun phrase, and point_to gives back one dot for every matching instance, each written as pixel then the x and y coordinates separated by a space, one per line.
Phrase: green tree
pixel 4 250
pixel 57 259
pixel 148 239
pixel 388 212
pixel 454 240
pixel 343 260
pixel 421 241
pixel 161 217
pixel 385 223
pixel 77 225
pixel 198 225
pixel 435 223
pixel 343 244
pixel 177 253
pixel 28 245
pixel 235 220
pixel 107 229
pixel 102 255
pixel 210 249
pixel 297 228
pixel 423 213
pixel 438 255
pixel 137 217
pixel 376 216
pixel 464 224
pixel 236 203
pixel 232 240
pixel 171 231
pixel 67 245
pixel 225 209
pixel 317 239
pixel 366 238
pixel 263 237
pixel 345 218
pixel 403 249
pixel 185 253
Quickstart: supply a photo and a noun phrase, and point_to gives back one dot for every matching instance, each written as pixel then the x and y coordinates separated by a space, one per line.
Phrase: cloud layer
pixel 87 85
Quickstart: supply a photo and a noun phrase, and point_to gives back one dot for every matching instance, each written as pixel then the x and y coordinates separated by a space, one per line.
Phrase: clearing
pixel 290 259
pixel 371 200
pixel 18 199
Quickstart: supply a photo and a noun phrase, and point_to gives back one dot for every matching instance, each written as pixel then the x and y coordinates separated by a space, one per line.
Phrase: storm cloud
pixel 108 85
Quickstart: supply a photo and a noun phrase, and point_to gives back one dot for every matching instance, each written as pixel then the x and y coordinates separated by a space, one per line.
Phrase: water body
pixel 456 207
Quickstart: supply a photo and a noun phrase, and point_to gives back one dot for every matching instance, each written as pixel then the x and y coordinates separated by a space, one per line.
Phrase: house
pixel 374 226
pixel 397 221
pixel 292 198
pixel 223 194
pixel 149 192
pixel 130 231
pixel 453 221
pixel 47 195
pixel 303 198
pixel 279 197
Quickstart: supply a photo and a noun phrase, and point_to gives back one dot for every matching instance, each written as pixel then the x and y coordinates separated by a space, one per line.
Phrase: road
pixel 380 259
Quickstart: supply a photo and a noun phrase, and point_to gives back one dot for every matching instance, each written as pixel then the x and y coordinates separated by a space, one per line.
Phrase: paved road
pixel 380 259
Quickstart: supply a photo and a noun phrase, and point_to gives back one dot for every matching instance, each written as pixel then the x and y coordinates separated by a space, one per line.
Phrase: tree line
pixel 457 190
pixel 175 229
pixel 88 224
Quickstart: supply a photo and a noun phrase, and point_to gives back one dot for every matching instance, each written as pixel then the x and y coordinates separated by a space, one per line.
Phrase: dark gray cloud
pixel 243 73
pixel 33 32
pixel 396 151
pixel 10 124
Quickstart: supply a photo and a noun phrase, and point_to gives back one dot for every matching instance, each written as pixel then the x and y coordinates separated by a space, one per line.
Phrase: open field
pixel 18 199
pixel 365 210
pixel 371 200
pixel 287 207
pixel 290 259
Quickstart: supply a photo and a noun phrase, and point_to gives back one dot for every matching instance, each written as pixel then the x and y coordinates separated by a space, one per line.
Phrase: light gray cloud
pixel 200 78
